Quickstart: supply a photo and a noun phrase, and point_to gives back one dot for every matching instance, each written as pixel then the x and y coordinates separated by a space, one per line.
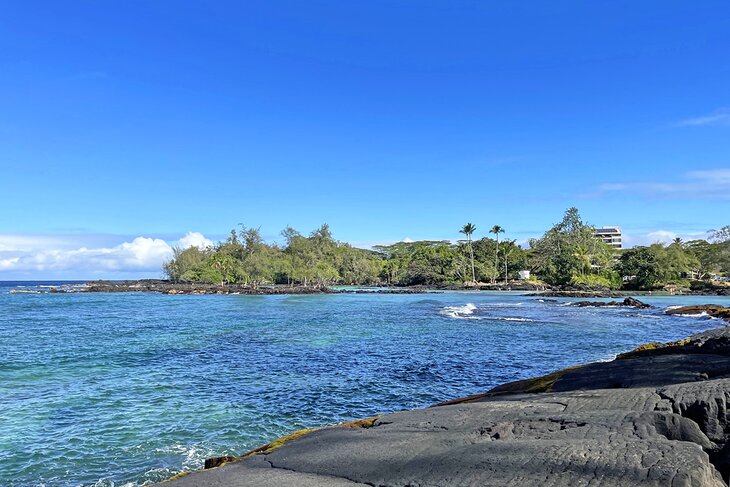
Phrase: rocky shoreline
pixel 169 287
pixel 658 415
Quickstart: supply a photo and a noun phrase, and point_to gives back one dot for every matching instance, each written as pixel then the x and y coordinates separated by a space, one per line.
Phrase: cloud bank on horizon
pixel 698 184
pixel 44 257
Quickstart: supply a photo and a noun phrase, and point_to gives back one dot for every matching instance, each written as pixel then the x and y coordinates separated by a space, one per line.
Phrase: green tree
pixel 469 230
pixel 721 235
pixel 184 264
pixel 639 266
pixel 496 230
pixel 708 258
pixel 570 249
pixel 225 265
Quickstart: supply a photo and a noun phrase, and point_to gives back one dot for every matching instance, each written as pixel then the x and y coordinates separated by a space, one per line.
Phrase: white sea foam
pixel 466 311
pixel 510 318
pixel 703 314
pixel 194 455
pixel 469 310
pixel 695 315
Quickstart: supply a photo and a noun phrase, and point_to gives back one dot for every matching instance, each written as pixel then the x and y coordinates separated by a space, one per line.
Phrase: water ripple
pixel 129 389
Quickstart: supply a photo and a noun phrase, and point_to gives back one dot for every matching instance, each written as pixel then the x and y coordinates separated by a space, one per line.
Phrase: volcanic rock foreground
pixel 654 416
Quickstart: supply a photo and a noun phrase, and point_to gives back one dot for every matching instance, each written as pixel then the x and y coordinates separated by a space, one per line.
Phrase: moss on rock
pixel 178 475
pixel 361 423
pixel 655 348
pixel 279 442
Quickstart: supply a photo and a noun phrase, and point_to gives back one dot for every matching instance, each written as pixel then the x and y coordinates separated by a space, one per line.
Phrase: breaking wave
pixel 509 318
pixel 471 311
pixel 465 311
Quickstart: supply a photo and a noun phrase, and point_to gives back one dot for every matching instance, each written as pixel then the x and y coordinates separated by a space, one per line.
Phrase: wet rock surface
pixel 627 302
pixel 578 294
pixel 655 416
pixel 714 310
pixel 168 287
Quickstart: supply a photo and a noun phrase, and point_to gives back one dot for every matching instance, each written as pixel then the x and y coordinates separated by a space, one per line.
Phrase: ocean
pixel 132 388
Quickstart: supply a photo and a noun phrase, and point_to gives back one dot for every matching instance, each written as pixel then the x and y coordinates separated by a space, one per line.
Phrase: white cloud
pixel 661 236
pixel 716 176
pixel 8 263
pixel 633 239
pixel 35 256
pixel 194 239
pixel 31 242
pixel 704 184
pixel 719 117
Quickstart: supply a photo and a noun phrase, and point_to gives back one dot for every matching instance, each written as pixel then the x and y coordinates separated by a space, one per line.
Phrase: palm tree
pixel 583 256
pixel 508 248
pixel 496 230
pixel 469 230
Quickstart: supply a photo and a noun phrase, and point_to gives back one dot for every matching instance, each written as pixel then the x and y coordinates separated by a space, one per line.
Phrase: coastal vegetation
pixel 567 254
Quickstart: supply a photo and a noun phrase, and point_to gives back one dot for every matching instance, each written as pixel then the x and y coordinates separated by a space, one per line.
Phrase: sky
pixel 127 127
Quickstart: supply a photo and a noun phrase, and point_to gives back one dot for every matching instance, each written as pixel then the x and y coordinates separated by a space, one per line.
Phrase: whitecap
pixel 695 315
pixel 465 311
pixel 511 318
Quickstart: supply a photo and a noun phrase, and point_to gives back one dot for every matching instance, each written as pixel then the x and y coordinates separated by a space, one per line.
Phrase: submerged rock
pixel 655 416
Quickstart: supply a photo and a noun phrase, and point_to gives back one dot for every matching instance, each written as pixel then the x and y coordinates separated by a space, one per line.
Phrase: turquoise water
pixel 127 389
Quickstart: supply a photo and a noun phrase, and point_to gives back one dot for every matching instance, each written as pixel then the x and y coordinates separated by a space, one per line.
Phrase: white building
pixel 610 235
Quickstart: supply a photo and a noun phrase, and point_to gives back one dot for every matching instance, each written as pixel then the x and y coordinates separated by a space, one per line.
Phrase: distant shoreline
pixel 181 288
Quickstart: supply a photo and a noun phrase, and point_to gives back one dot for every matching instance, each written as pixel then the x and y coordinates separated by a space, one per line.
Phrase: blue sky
pixel 122 120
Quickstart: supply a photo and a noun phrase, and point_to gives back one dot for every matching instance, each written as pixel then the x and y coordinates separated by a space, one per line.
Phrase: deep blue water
pixel 127 389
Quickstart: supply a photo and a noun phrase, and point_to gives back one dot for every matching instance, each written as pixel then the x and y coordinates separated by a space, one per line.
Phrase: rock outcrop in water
pixel 627 303
pixel 658 415
pixel 709 309
pixel 169 287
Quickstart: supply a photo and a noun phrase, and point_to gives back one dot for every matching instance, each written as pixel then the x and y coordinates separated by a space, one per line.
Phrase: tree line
pixel 568 253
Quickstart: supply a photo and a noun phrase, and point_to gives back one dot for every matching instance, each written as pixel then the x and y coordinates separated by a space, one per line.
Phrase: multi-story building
pixel 611 235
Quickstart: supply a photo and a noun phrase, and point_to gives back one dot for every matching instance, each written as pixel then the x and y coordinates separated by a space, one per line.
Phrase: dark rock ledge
pixel 657 416
pixel 626 303
pixel 168 287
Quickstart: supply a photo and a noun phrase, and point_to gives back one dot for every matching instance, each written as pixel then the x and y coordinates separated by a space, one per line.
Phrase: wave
pixel 702 314
pixel 465 311
pixel 509 318
pixel 696 315
pixel 469 312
